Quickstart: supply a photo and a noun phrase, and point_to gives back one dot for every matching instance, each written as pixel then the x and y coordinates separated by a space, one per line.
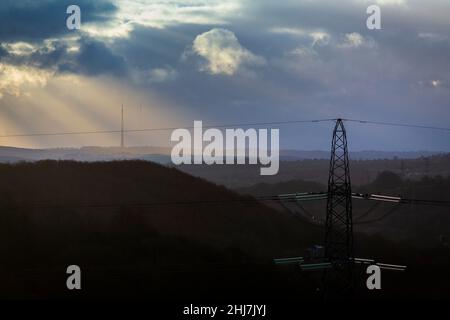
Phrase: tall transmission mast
pixel 339 224
pixel 122 139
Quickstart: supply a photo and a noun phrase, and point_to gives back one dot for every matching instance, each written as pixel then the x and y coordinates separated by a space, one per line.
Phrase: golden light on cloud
pixel 160 14
pixel 16 80
pixel 20 48
pixel 119 29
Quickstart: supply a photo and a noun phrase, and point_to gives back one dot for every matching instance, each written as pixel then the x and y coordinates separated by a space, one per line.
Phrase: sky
pixel 237 61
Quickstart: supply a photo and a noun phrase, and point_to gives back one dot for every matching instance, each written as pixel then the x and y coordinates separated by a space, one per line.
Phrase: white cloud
pixel 391 2
pixel 317 36
pixel 303 51
pixel 223 52
pixel 293 31
pixel 156 75
pixel 116 29
pixel 162 74
pixel 20 48
pixel 159 14
pixel 436 83
pixel 355 40
pixel 320 37
pixel 385 2
pixel 26 49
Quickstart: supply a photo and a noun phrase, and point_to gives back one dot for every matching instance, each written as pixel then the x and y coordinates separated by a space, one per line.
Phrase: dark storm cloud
pixel 3 52
pixel 92 58
pixel 47 58
pixel 151 47
pixel 32 21
pixel 331 15
pixel 43 25
pixel 96 58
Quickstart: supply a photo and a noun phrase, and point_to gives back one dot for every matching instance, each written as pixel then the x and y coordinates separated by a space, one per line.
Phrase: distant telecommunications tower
pixel 339 225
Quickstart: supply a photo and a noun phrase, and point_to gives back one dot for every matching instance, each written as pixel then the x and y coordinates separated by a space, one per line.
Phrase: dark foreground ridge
pixel 170 251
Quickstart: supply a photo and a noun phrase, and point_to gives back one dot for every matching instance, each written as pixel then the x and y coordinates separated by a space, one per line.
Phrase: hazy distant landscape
pixel 362 171
pixel 162 154
pixel 305 165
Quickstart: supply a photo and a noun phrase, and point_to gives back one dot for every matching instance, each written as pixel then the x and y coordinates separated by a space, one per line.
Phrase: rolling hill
pixel 127 218
pixel 142 230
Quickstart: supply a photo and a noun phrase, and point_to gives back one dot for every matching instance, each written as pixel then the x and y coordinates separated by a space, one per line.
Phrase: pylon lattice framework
pixel 339 224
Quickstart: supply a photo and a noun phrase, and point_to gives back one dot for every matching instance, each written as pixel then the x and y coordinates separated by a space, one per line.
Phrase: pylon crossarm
pixel 316 266
pixel 288 260
pixel 384 266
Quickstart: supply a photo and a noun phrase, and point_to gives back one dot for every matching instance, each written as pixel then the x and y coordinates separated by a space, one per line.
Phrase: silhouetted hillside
pixel 142 230
pixel 135 214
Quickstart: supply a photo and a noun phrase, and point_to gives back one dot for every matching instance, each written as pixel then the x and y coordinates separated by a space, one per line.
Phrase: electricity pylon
pixel 338 260
pixel 339 224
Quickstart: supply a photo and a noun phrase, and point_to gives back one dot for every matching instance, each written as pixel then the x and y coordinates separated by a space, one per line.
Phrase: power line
pixel 389 213
pixel 153 204
pixel 276 198
pixel 246 124
pixel 163 128
pixel 391 199
pixel 393 124
pixel 365 214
